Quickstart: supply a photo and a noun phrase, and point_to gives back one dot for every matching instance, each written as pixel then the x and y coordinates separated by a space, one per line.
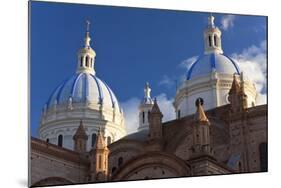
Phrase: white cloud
pixel 131 114
pixel 186 64
pixel 261 99
pixel 167 81
pixel 253 62
pixel 131 111
pixel 227 22
pixel 166 107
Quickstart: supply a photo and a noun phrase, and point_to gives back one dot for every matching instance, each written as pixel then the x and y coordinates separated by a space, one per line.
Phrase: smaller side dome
pixel 206 64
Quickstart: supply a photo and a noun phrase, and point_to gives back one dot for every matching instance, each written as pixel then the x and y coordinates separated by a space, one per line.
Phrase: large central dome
pixel 82 97
pixel 84 88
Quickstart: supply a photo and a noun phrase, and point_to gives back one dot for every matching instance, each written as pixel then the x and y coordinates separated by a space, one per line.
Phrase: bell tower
pixel 145 108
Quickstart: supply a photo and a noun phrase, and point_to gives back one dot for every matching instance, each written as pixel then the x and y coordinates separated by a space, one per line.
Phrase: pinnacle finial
pixel 87 37
pixel 88 25
pixel 155 107
pixel 200 115
pixel 155 100
pixel 235 86
pixel 211 19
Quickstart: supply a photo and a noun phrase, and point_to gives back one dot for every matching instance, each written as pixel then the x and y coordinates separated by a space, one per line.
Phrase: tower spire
pixel 87 37
pixel 80 139
pixel 86 55
pixel 212 37
pixel 200 116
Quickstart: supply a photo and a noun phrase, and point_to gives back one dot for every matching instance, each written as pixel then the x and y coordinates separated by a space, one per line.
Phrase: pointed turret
pixel 100 140
pixel 80 139
pixel 155 122
pixel 155 109
pixel 235 86
pixel 99 159
pixel 237 96
pixel 86 55
pixel 201 131
pixel 200 115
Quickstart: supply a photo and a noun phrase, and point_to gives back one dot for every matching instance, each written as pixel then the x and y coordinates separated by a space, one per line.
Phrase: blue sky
pixel 133 46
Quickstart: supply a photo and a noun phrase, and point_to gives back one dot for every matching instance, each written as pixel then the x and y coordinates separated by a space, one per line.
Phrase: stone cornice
pixel 59 152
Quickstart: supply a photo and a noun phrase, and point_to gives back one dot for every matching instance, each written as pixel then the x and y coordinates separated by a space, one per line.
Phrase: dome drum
pixel 214 91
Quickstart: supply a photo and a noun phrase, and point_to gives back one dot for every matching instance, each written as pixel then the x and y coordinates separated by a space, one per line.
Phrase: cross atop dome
pixel 86 55
pixel 87 37
pixel 211 19
pixel 88 25
pixel 212 37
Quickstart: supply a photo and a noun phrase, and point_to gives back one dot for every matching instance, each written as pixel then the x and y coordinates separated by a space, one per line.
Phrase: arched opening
pixel 60 140
pixel 210 41
pixel 52 181
pixel 240 166
pixel 99 161
pixel 81 62
pixel 263 156
pixel 143 117
pixel 147 161
pixel 87 61
pixel 120 161
pixel 108 140
pixel 215 40
pixel 179 114
pixel 94 137
pixel 113 170
pixel 47 140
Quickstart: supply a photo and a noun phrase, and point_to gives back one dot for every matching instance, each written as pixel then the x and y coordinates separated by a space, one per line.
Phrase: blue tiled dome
pixel 205 64
pixel 84 87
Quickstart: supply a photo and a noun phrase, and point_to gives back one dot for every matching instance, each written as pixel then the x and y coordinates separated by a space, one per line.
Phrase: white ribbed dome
pixel 206 64
pixel 84 88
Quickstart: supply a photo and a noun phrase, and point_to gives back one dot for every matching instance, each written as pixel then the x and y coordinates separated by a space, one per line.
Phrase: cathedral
pixel 218 129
